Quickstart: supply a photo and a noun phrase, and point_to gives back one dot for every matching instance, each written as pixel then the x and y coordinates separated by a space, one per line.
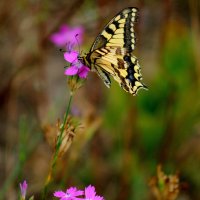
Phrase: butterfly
pixel 112 53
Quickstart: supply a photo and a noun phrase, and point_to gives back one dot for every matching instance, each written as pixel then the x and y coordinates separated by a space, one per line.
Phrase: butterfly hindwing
pixel 121 65
pixel 119 31
pixel 104 76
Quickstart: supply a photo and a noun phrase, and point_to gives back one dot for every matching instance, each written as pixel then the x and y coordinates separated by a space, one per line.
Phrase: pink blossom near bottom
pixel 74 194
pixel 70 194
pixel 90 193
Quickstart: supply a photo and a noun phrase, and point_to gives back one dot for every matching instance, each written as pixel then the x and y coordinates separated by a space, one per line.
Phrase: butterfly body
pixel 111 53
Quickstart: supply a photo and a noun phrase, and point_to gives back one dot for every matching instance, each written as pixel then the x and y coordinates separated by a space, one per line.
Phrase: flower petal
pixel 73 70
pixel 83 72
pixel 76 33
pixel 65 198
pixel 74 192
pixel 60 38
pixel 71 56
pixel 67 34
pixel 90 192
pixel 59 194
pixel 98 198
pixel 23 188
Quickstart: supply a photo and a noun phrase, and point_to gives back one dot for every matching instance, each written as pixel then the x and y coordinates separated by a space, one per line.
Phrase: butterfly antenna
pixel 76 37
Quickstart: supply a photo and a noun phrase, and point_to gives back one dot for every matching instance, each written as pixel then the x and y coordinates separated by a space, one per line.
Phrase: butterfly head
pixel 83 59
pixel 80 58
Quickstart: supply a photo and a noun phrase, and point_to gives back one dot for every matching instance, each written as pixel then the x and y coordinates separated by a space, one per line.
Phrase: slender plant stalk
pixel 55 156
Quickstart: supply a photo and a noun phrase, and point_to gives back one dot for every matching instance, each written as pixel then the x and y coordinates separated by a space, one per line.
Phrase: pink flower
pixel 67 34
pixel 23 188
pixel 90 194
pixel 70 194
pixel 71 56
pixel 68 37
pixel 76 68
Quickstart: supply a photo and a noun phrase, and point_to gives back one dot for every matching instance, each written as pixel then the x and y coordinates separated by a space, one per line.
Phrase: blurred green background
pixel 124 138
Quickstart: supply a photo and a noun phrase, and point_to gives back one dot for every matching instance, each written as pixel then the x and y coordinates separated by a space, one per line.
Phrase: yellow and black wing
pixel 121 65
pixel 119 31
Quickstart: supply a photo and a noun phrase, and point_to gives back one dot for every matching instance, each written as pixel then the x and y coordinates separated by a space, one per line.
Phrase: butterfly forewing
pixel 119 31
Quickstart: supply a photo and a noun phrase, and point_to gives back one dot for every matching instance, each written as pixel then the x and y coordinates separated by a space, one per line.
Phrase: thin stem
pixel 55 156
pixel 59 141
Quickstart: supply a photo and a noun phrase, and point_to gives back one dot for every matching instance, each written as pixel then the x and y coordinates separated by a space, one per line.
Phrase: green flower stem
pixel 60 138
pixel 58 144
